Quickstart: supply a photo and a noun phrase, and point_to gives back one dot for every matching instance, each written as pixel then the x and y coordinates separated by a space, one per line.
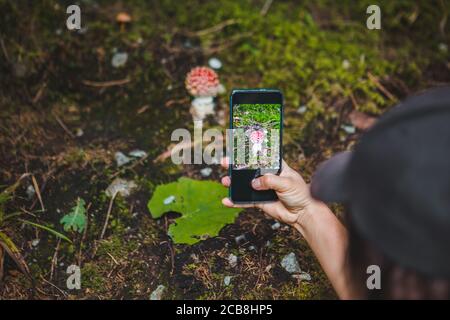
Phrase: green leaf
pixel 54 232
pixel 199 202
pixel 76 219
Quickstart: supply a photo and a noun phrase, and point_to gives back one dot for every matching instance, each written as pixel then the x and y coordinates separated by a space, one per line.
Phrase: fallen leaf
pixel 361 120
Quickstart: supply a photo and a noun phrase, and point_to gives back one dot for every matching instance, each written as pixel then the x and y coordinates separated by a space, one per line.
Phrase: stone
pixel 121 159
pixel 215 63
pixel 120 186
pixel 137 153
pixel 119 59
pixel 206 172
pixel 276 226
pixel 158 293
pixel 232 260
pixel 290 263
pixel 304 276
pixel 169 200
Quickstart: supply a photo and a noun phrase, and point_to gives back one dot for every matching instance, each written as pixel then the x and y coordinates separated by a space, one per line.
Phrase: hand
pixel 293 194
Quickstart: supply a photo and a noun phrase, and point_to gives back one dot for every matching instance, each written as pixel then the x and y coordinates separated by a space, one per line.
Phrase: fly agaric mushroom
pixel 123 18
pixel 202 82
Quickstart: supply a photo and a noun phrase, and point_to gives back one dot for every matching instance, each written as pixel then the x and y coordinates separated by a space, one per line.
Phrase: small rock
pixel 345 64
pixel 30 192
pixel 206 172
pixel 119 59
pixel 79 132
pixel 232 260
pixel 227 280
pixel 158 293
pixel 194 257
pixel 290 263
pixel 138 153
pixel 215 63
pixel 252 248
pixel 121 159
pixel 443 47
pixel 276 226
pixel 35 242
pixel 120 186
pixel 240 239
pixel 169 200
pixel 302 276
pixel 302 109
pixel 348 129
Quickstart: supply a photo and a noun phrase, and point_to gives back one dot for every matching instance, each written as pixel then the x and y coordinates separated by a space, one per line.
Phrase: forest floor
pixel 65 111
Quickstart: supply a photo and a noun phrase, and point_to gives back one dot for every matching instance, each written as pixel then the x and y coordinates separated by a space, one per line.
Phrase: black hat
pixel 396 183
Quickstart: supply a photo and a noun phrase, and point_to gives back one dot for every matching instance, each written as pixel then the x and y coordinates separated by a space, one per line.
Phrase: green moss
pixel 92 279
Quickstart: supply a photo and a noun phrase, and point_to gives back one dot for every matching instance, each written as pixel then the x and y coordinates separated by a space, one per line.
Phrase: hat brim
pixel 329 181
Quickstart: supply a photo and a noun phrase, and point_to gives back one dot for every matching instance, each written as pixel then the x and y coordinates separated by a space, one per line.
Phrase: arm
pixel 328 239
pixel 324 233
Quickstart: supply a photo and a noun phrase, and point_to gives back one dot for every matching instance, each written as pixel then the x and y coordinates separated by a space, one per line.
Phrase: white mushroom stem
pixel 201 107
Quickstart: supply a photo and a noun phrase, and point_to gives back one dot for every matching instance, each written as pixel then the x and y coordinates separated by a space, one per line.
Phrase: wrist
pixel 311 212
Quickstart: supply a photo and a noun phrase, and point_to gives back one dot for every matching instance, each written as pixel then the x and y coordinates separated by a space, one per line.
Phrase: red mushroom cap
pixel 202 81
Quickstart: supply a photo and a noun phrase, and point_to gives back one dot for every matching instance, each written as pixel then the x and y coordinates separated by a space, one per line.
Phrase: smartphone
pixel 255 141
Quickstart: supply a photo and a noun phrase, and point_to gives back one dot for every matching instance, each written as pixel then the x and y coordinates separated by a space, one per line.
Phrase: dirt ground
pixel 65 111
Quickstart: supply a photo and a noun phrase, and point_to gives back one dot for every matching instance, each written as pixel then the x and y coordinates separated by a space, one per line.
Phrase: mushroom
pixel 123 18
pixel 202 82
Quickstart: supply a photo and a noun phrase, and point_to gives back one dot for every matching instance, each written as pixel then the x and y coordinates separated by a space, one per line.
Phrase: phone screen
pixel 256 123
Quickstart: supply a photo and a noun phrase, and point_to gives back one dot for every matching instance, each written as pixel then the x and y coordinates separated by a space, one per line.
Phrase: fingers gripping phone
pixel 256 123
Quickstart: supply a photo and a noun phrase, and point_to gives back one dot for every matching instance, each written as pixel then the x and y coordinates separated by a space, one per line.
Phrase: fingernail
pixel 256 183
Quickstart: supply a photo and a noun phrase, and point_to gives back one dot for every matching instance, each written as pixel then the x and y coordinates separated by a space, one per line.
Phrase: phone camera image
pixel 256 120
pixel 256 136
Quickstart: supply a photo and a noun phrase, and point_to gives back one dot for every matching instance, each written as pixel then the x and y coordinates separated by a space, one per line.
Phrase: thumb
pixel 270 181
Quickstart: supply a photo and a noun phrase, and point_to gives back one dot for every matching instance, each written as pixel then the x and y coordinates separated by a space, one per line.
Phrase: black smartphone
pixel 255 141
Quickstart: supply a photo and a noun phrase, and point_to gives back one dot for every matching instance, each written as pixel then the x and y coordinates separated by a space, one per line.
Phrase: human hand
pixel 292 191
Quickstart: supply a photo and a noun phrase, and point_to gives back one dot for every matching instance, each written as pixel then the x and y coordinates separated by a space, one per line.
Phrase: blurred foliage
pixel 265 115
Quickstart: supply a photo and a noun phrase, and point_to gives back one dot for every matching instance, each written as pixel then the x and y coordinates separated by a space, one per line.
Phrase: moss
pixel 92 279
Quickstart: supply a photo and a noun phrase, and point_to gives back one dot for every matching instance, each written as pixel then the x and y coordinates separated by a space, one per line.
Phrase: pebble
pixel 157 294
pixel 119 59
pixel 232 260
pixel 443 47
pixel 303 276
pixel 121 159
pixel 302 109
pixel 276 226
pixel 227 280
pixel 345 64
pixel 138 153
pixel 215 63
pixel 206 172
pixel 79 132
pixel 240 239
pixel 169 200
pixel 120 186
pixel 30 192
pixel 290 263
pixel 35 242
pixel 349 129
